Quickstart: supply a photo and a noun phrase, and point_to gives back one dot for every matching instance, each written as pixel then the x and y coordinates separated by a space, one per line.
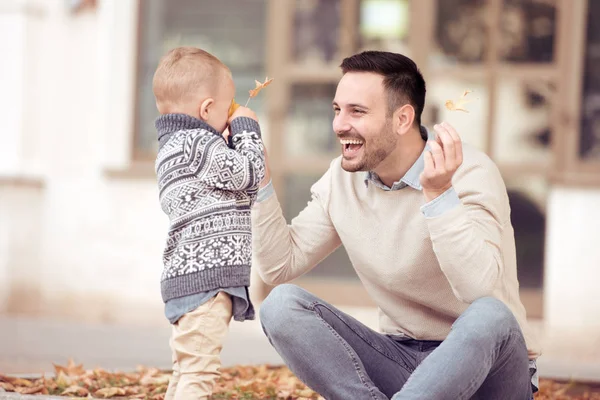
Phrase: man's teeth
pixel 350 141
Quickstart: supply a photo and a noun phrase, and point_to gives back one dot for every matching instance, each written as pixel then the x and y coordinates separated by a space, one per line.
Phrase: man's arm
pixel 283 252
pixel 466 233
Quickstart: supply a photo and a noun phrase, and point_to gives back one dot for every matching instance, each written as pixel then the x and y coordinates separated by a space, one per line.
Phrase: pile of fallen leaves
pixel 262 382
pixel 551 390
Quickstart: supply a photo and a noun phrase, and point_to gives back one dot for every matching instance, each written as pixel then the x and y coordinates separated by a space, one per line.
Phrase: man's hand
pixel 242 112
pixel 441 162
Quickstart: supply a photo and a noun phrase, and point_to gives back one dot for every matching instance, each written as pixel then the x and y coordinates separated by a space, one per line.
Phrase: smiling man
pixel 425 221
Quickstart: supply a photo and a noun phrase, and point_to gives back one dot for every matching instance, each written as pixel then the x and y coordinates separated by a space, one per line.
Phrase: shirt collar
pixel 412 176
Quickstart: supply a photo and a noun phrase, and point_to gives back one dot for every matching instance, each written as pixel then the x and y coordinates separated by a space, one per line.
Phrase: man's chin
pixel 352 165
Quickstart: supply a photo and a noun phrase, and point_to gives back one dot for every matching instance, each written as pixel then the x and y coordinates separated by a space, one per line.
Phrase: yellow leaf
pixel 109 392
pixel 459 104
pixel 234 106
pixel 260 86
pixel 306 393
pixel 63 381
pixel 76 390
pixel 16 381
pixel 30 390
pixel 71 369
pixel 7 386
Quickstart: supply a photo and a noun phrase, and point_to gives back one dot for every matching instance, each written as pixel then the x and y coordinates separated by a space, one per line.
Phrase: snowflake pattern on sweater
pixel 207 190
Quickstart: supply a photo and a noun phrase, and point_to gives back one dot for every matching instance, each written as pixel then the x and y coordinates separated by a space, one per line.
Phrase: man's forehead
pixel 355 86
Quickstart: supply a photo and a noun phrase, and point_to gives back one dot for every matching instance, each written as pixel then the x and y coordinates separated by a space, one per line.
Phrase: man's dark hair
pixel 401 78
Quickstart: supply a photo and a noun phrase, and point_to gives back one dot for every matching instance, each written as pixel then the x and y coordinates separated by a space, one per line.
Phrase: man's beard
pixel 374 151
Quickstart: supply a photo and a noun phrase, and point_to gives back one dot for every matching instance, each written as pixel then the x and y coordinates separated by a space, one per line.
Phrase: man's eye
pixel 358 111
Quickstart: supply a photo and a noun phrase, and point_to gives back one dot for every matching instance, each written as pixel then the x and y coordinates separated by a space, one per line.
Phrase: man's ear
pixel 403 119
pixel 205 108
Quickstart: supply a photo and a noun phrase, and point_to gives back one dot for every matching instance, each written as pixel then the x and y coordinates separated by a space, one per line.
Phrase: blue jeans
pixel 483 357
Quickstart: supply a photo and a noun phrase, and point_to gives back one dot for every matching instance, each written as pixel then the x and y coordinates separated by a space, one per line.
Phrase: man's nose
pixel 340 125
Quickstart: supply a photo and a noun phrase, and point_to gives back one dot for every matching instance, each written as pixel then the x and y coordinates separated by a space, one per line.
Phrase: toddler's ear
pixel 205 108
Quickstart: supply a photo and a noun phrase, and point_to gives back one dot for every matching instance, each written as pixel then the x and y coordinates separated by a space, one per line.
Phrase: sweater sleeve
pixel 283 252
pixel 239 168
pixel 467 238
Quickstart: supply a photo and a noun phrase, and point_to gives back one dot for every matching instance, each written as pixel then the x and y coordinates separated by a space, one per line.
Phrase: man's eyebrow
pixel 351 105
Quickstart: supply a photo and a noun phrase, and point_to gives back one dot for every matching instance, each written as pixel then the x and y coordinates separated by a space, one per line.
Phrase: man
pixel 426 224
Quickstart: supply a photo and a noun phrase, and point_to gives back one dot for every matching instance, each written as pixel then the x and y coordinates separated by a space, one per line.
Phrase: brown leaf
pixel 100 372
pixel 71 369
pixel 459 104
pixel 260 86
pixel 7 386
pixel 110 392
pixel 133 390
pixel 306 393
pixel 76 390
pixel 16 381
pixel 30 390
pixel 63 381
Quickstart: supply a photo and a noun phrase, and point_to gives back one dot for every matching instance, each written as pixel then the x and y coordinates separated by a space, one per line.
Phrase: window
pixel 589 142
pixel 536 97
pixel 232 30
pixel 514 56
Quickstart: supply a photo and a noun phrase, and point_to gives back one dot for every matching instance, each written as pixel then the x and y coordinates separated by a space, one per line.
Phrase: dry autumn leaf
pixel 16 381
pixel 260 86
pixel 253 92
pixel 459 104
pixel 7 386
pixel 71 369
pixel 109 392
pixel 234 106
pixel 31 390
pixel 63 381
pixel 75 390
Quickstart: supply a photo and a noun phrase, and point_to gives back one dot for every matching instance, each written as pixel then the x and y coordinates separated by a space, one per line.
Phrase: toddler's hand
pixel 225 134
pixel 242 112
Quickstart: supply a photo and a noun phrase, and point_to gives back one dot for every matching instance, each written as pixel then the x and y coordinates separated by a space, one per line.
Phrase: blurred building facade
pixel 81 230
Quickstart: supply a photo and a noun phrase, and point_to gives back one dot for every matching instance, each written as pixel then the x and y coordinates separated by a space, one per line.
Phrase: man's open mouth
pixel 351 146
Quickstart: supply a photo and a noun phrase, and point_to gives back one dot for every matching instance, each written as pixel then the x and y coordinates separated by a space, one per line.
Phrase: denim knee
pixel 277 309
pixel 487 316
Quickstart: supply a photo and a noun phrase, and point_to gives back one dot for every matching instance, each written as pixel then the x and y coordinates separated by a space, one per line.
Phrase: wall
pixel 572 271
pixel 76 241
pixel 83 234
pixel 96 251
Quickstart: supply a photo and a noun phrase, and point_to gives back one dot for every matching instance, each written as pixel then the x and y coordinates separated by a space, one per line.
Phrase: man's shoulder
pixel 472 155
pixel 476 160
pixel 478 172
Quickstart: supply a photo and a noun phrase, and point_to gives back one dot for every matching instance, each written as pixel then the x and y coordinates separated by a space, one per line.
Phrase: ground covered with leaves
pixel 261 382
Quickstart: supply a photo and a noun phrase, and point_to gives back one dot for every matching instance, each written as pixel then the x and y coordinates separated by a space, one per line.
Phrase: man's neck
pixel 407 152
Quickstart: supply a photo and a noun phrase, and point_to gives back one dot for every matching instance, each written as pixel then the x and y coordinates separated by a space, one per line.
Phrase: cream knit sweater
pixel 421 272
